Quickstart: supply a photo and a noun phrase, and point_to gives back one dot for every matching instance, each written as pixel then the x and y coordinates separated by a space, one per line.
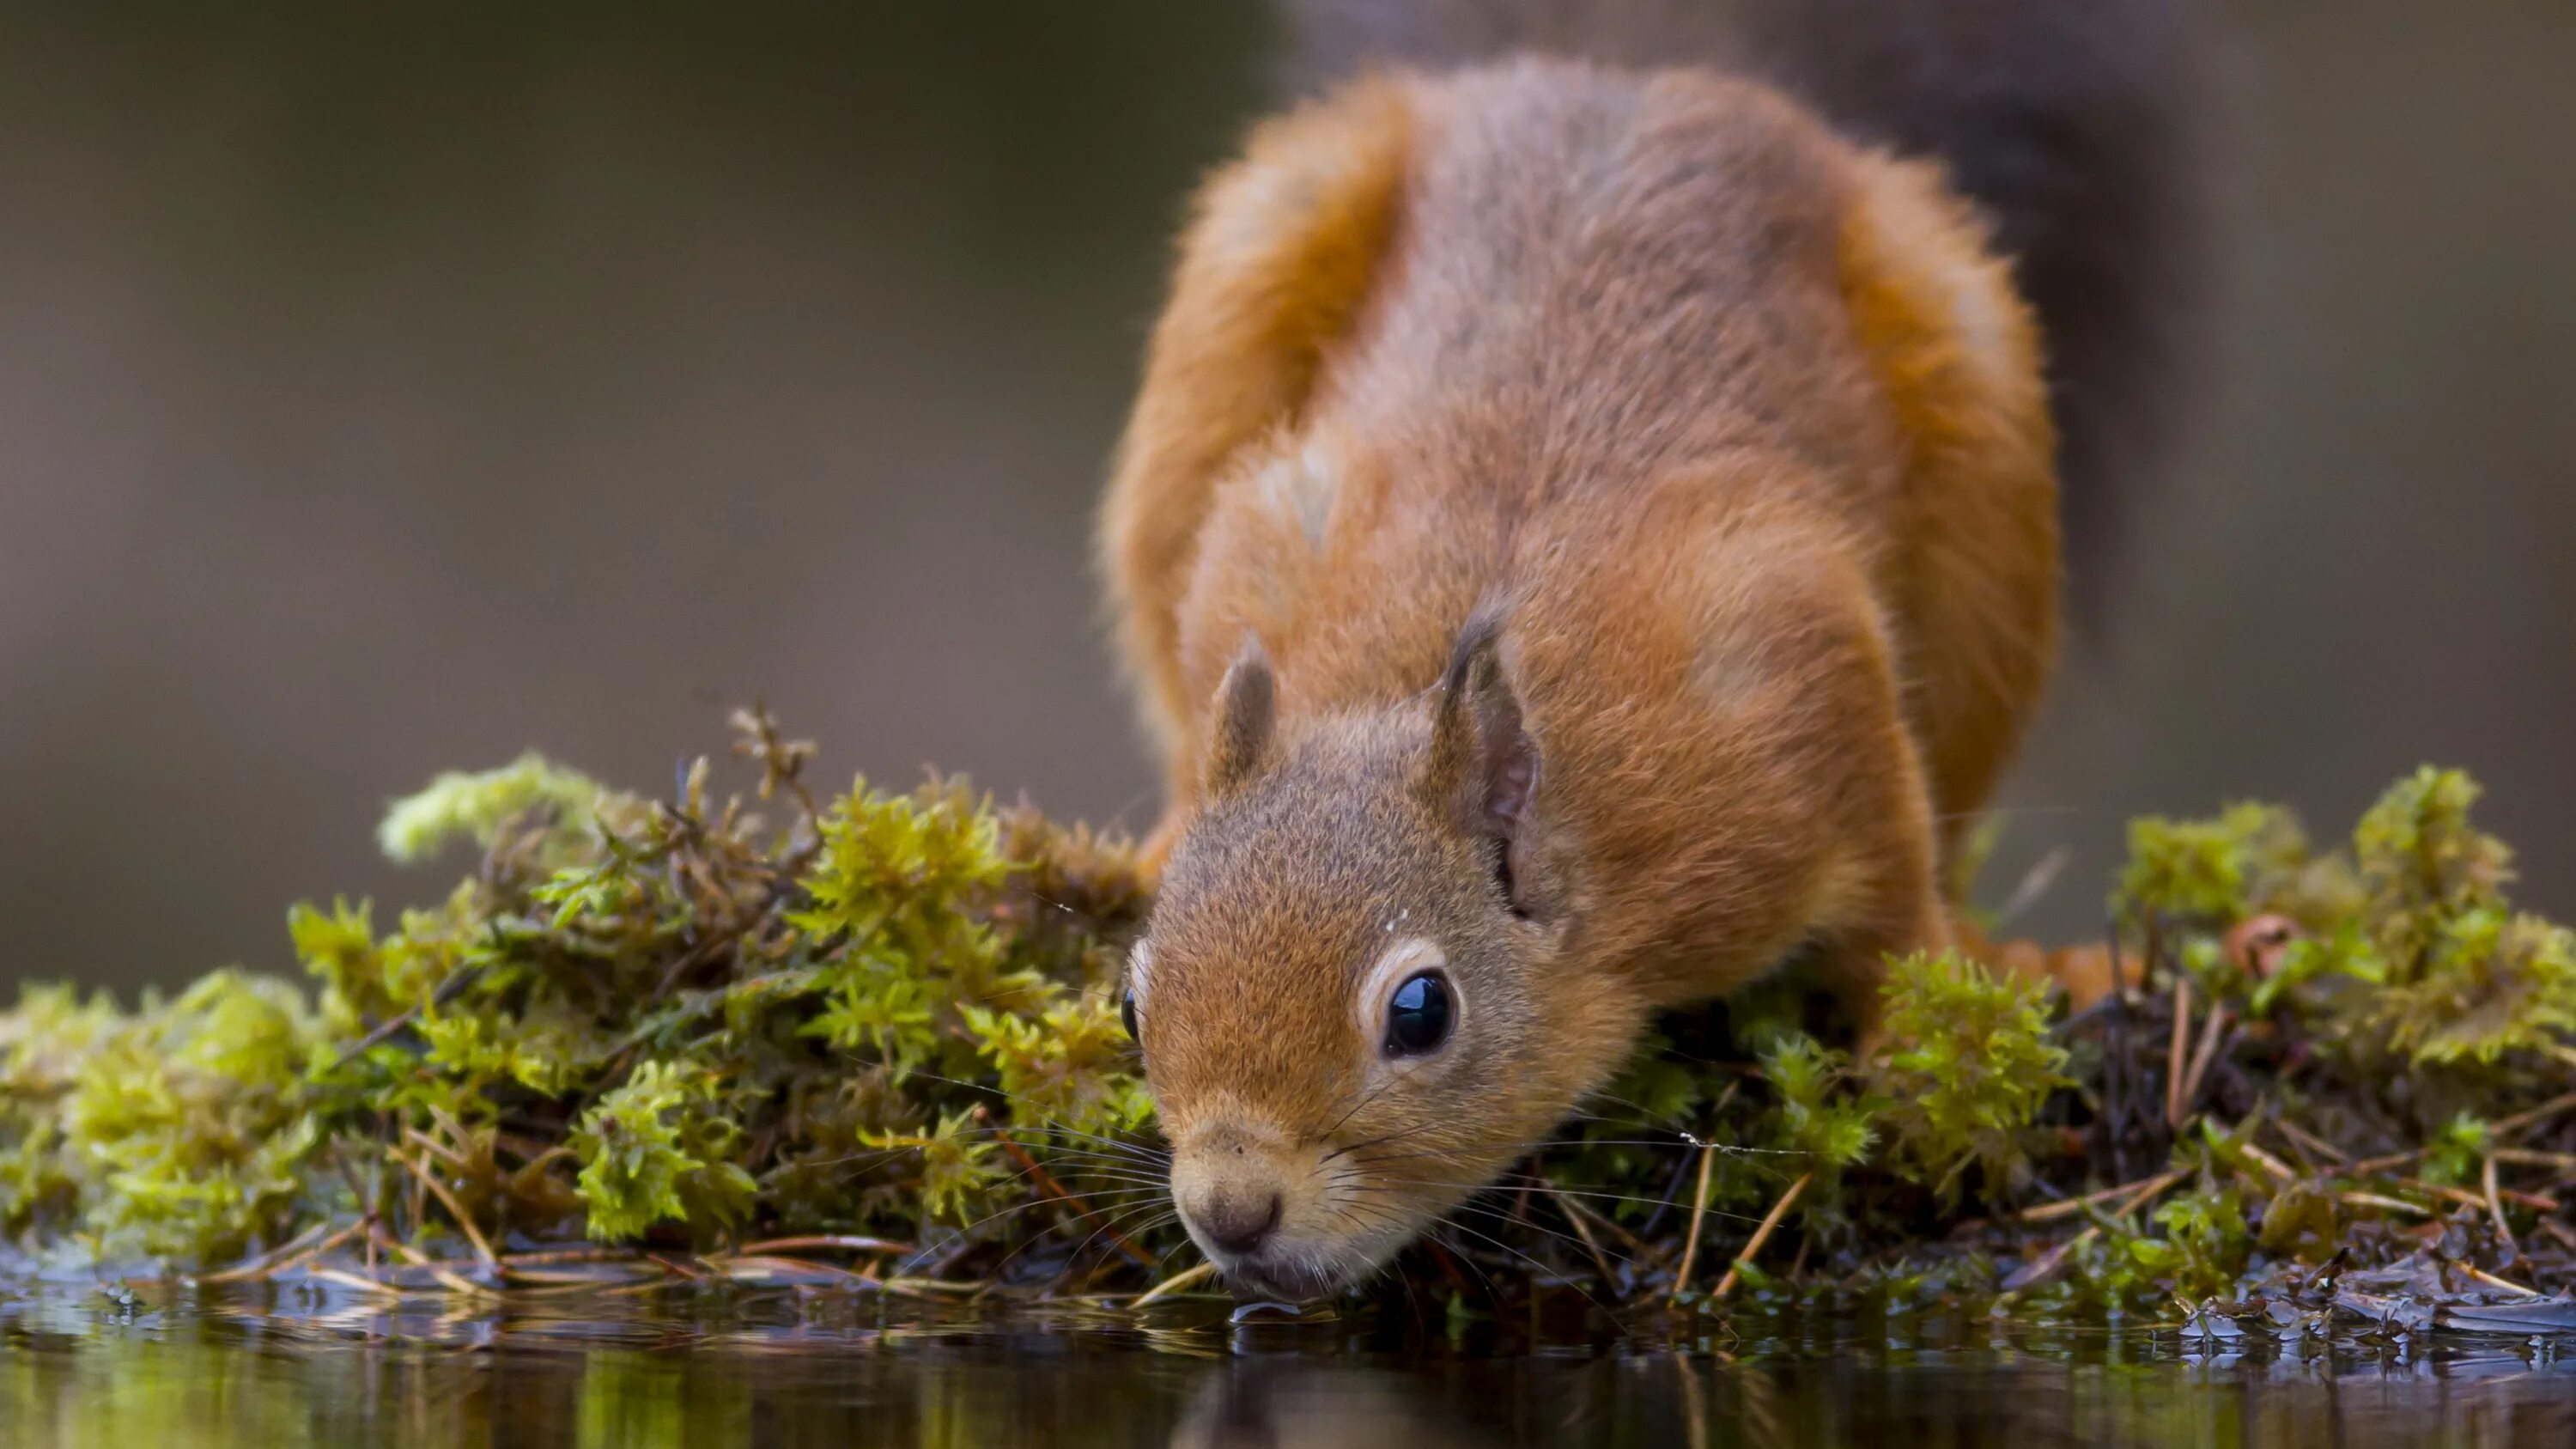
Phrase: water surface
pixel 294 1367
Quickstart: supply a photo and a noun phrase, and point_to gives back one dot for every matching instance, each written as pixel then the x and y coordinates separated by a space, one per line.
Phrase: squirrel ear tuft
pixel 1244 719
pixel 1482 757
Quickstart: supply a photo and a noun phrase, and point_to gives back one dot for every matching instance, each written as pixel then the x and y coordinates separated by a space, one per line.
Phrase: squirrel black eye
pixel 1127 1014
pixel 1418 1015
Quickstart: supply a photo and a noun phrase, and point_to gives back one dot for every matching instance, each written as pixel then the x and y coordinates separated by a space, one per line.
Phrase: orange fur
pixel 1736 432
pixel 1279 255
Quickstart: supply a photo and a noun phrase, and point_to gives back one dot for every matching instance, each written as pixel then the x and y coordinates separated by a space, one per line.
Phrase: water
pixel 293 1367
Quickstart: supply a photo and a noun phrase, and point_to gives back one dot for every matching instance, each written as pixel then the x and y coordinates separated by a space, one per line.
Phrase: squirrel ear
pixel 1245 717
pixel 1482 757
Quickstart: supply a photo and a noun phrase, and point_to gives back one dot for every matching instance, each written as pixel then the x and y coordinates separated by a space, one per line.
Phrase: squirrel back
pixel 2072 124
pixel 1700 424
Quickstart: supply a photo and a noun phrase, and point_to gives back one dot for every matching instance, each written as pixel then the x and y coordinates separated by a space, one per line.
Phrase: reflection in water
pixel 289 1374
pixel 1301 1404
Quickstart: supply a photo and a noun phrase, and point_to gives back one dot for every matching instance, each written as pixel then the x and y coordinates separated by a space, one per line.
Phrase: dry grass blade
pixel 1046 1183
pixel 420 1171
pixel 2174 1060
pixel 346 1279
pixel 2383 1202
pixel 1600 1259
pixel 2202 1055
pixel 2308 1142
pixel 446 1277
pixel 1699 1215
pixel 847 1242
pixel 1761 1235
pixel 2495 1208
pixel 769 1268
pixel 1180 1282
pixel 2532 1117
pixel 2265 1160
pixel 2500 1284
pixel 268 1262
pixel 2047 1265
pixel 2069 1207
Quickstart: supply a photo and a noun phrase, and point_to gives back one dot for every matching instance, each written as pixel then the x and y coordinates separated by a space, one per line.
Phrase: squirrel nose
pixel 1240 1224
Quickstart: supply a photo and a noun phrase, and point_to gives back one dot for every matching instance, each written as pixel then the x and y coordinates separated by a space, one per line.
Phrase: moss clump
pixel 1970 1063
pixel 662 1145
pixel 885 1025
pixel 478 806
pixel 2346 1061
pixel 2250 859
pixel 181 1129
pixel 644 1021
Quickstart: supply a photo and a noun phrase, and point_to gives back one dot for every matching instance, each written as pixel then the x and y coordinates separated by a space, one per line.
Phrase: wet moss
pixel 883 1025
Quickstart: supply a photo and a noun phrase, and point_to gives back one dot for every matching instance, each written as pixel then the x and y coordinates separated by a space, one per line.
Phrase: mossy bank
pixel 871 1044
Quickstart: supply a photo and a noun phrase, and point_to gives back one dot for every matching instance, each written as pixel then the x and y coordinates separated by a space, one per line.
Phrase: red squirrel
pixel 1588 531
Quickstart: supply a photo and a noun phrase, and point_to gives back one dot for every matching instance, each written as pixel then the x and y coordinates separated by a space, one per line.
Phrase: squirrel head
pixel 1356 996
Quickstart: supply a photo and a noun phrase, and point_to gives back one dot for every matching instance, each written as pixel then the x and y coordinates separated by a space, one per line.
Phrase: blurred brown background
pixel 385 389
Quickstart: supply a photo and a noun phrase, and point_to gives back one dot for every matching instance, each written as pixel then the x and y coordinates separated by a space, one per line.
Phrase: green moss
pixel 1970 1062
pixel 2201 1247
pixel 2455 1152
pixel 179 1130
pixel 683 1022
pixel 661 1145
pixel 2424 865
pixel 1813 1115
pixel 2249 859
pixel 461 806
pixel 667 1020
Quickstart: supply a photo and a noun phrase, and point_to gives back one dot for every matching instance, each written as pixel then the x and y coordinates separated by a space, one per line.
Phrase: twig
pixel 1716 1112
pixel 2116 1063
pixel 2309 1142
pixel 678 1269
pixel 930 1287
pixel 351 1280
pixel 446 991
pixel 556 1257
pixel 1761 1235
pixel 1600 1260
pixel 434 1148
pixel 2174 1053
pixel 2525 1157
pixel 447 1199
pixel 552 1282
pixel 1699 1213
pixel 1180 1282
pixel 1047 1184
pixel 2048 1264
pixel 265 1263
pixel 2493 1281
pixel 1638 1248
pixel 2495 1209
pixel 2545 1110
pixel 845 1241
pixel 714 946
pixel 2465 1198
pixel 757 1267
pixel 2268 1162
pixel 2377 1200
pixel 2069 1207
pixel 2202 1055
pixel 447 1277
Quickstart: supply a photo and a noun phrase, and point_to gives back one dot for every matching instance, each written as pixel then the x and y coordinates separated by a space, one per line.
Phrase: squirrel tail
pixel 2075 124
